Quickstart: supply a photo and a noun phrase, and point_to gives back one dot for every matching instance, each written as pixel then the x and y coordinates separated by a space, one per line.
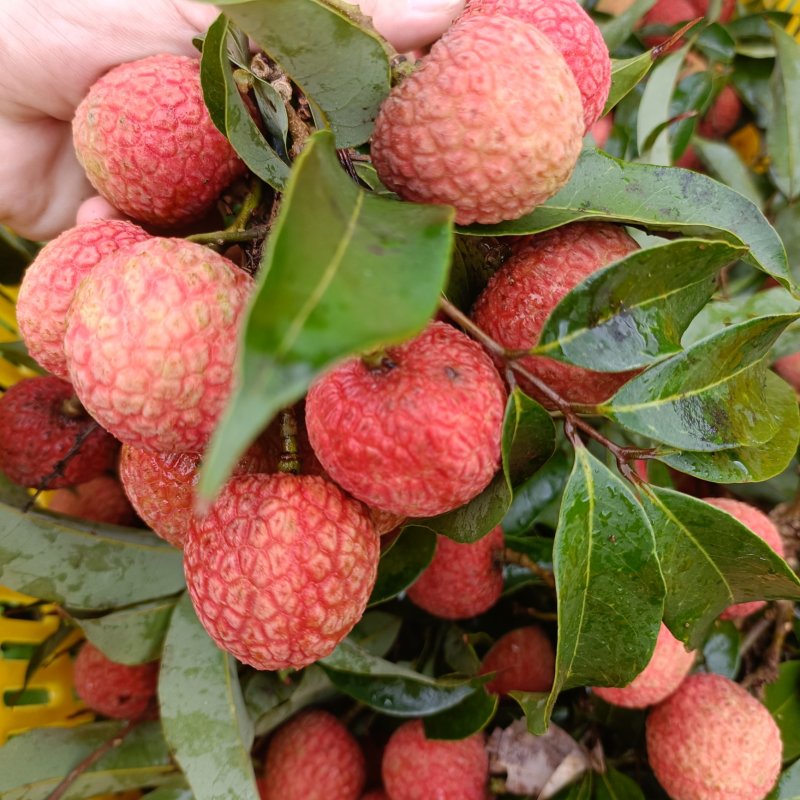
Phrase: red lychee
pixel 41 424
pixel 462 580
pixel 524 661
pixel 151 342
pixel 788 367
pixel 668 666
pixel 758 522
pixel 491 123
pixel 671 13
pixel 575 35
pixel 281 568
pixel 148 145
pixel 711 740
pixel 723 115
pixel 417 768
pixel 50 282
pixel 313 757
pixel 99 500
pixel 114 690
pixel 520 296
pixel 162 486
pixel 416 435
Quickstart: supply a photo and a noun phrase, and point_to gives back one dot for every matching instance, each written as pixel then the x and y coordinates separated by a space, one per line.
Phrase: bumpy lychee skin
pixel 162 486
pixel 41 422
pixel 462 580
pixel 723 115
pixel 417 435
pixel 491 123
pixel 147 142
pixel 761 525
pixel 151 342
pixel 100 500
pixel 50 282
pixel 313 757
pixel 524 661
pixel 667 668
pixel 576 36
pixel 520 296
pixel 711 740
pixel 281 568
pixel 114 690
pixel 417 768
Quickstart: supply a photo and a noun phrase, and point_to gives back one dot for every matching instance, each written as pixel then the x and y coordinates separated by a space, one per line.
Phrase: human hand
pixel 51 52
pixel 411 24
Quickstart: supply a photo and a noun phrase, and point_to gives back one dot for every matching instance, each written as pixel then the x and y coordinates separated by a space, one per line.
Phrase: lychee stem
pixel 72 408
pixel 289 461
pixel 222 237
pixel 249 205
pixel 513 557
pixel 378 361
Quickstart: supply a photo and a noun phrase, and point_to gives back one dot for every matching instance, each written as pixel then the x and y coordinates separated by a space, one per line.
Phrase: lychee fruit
pixel 711 740
pixel 575 35
pixel 521 295
pixel 671 13
pixel 462 580
pixel 50 282
pixel 281 568
pixel 162 486
pixel 601 130
pixel 114 690
pixel 668 666
pixel 43 436
pixel 723 115
pixel 417 434
pixel 760 524
pixel 491 123
pixel 524 660
pixel 151 342
pixel 148 145
pixel 417 768
pixel 100 500
pixel 313 757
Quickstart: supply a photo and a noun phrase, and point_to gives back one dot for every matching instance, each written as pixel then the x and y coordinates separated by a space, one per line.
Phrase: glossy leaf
pixel 340 66
pixel 615 785
pixel 229 112
pixel 470 716
pixel 202 711
pixel 783 132
pixel 370 275
pixel 32 764
pixel 376 632
pixel 721 650
pixel 403 563
pixel 701 546
pixel 782 698
pixel 528 441
pixel 750 464
pixel 44 557
pixel 626 73
pixel 608 582
pixel 658 199
pixel 634 312
pixel 133 635
pixel 711 396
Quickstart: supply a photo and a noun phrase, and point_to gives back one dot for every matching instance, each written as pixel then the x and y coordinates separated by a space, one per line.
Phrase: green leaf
pixel 528 441
pixel 12 494
pixel 342 68
pixel 535 706
pixel 176 791
pixel 16 353
pixel 711 396
pixel 392 688
pixel 32 764
pixel 579 791
pixel 608 582
pixel 370 275
pixel 788 787
pixel 721 650
pixel 620 26
pixel 376 632
pixel 655 198
pixel 634 312
pixel 750 464
pixel 133 635
pixel 626 73
pixel 83 570
pixel 727 166
pixel 782 698
pixel 614 785
pixel 42 654
pixel 15 254
pixel 202 711
pixel 710 561
pixel 783 132
pixel 230 114
pixel 471 715
pixel 473 265
pixel 403 562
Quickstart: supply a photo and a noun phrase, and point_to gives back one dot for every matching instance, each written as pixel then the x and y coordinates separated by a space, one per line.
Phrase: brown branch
pixel 513 557
pixel 768 671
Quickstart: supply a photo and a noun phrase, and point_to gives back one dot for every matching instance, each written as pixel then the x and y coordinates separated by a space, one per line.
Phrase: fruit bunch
pixel 443 359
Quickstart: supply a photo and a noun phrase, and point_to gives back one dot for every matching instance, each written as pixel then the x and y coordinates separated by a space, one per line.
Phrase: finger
pixel 97 208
